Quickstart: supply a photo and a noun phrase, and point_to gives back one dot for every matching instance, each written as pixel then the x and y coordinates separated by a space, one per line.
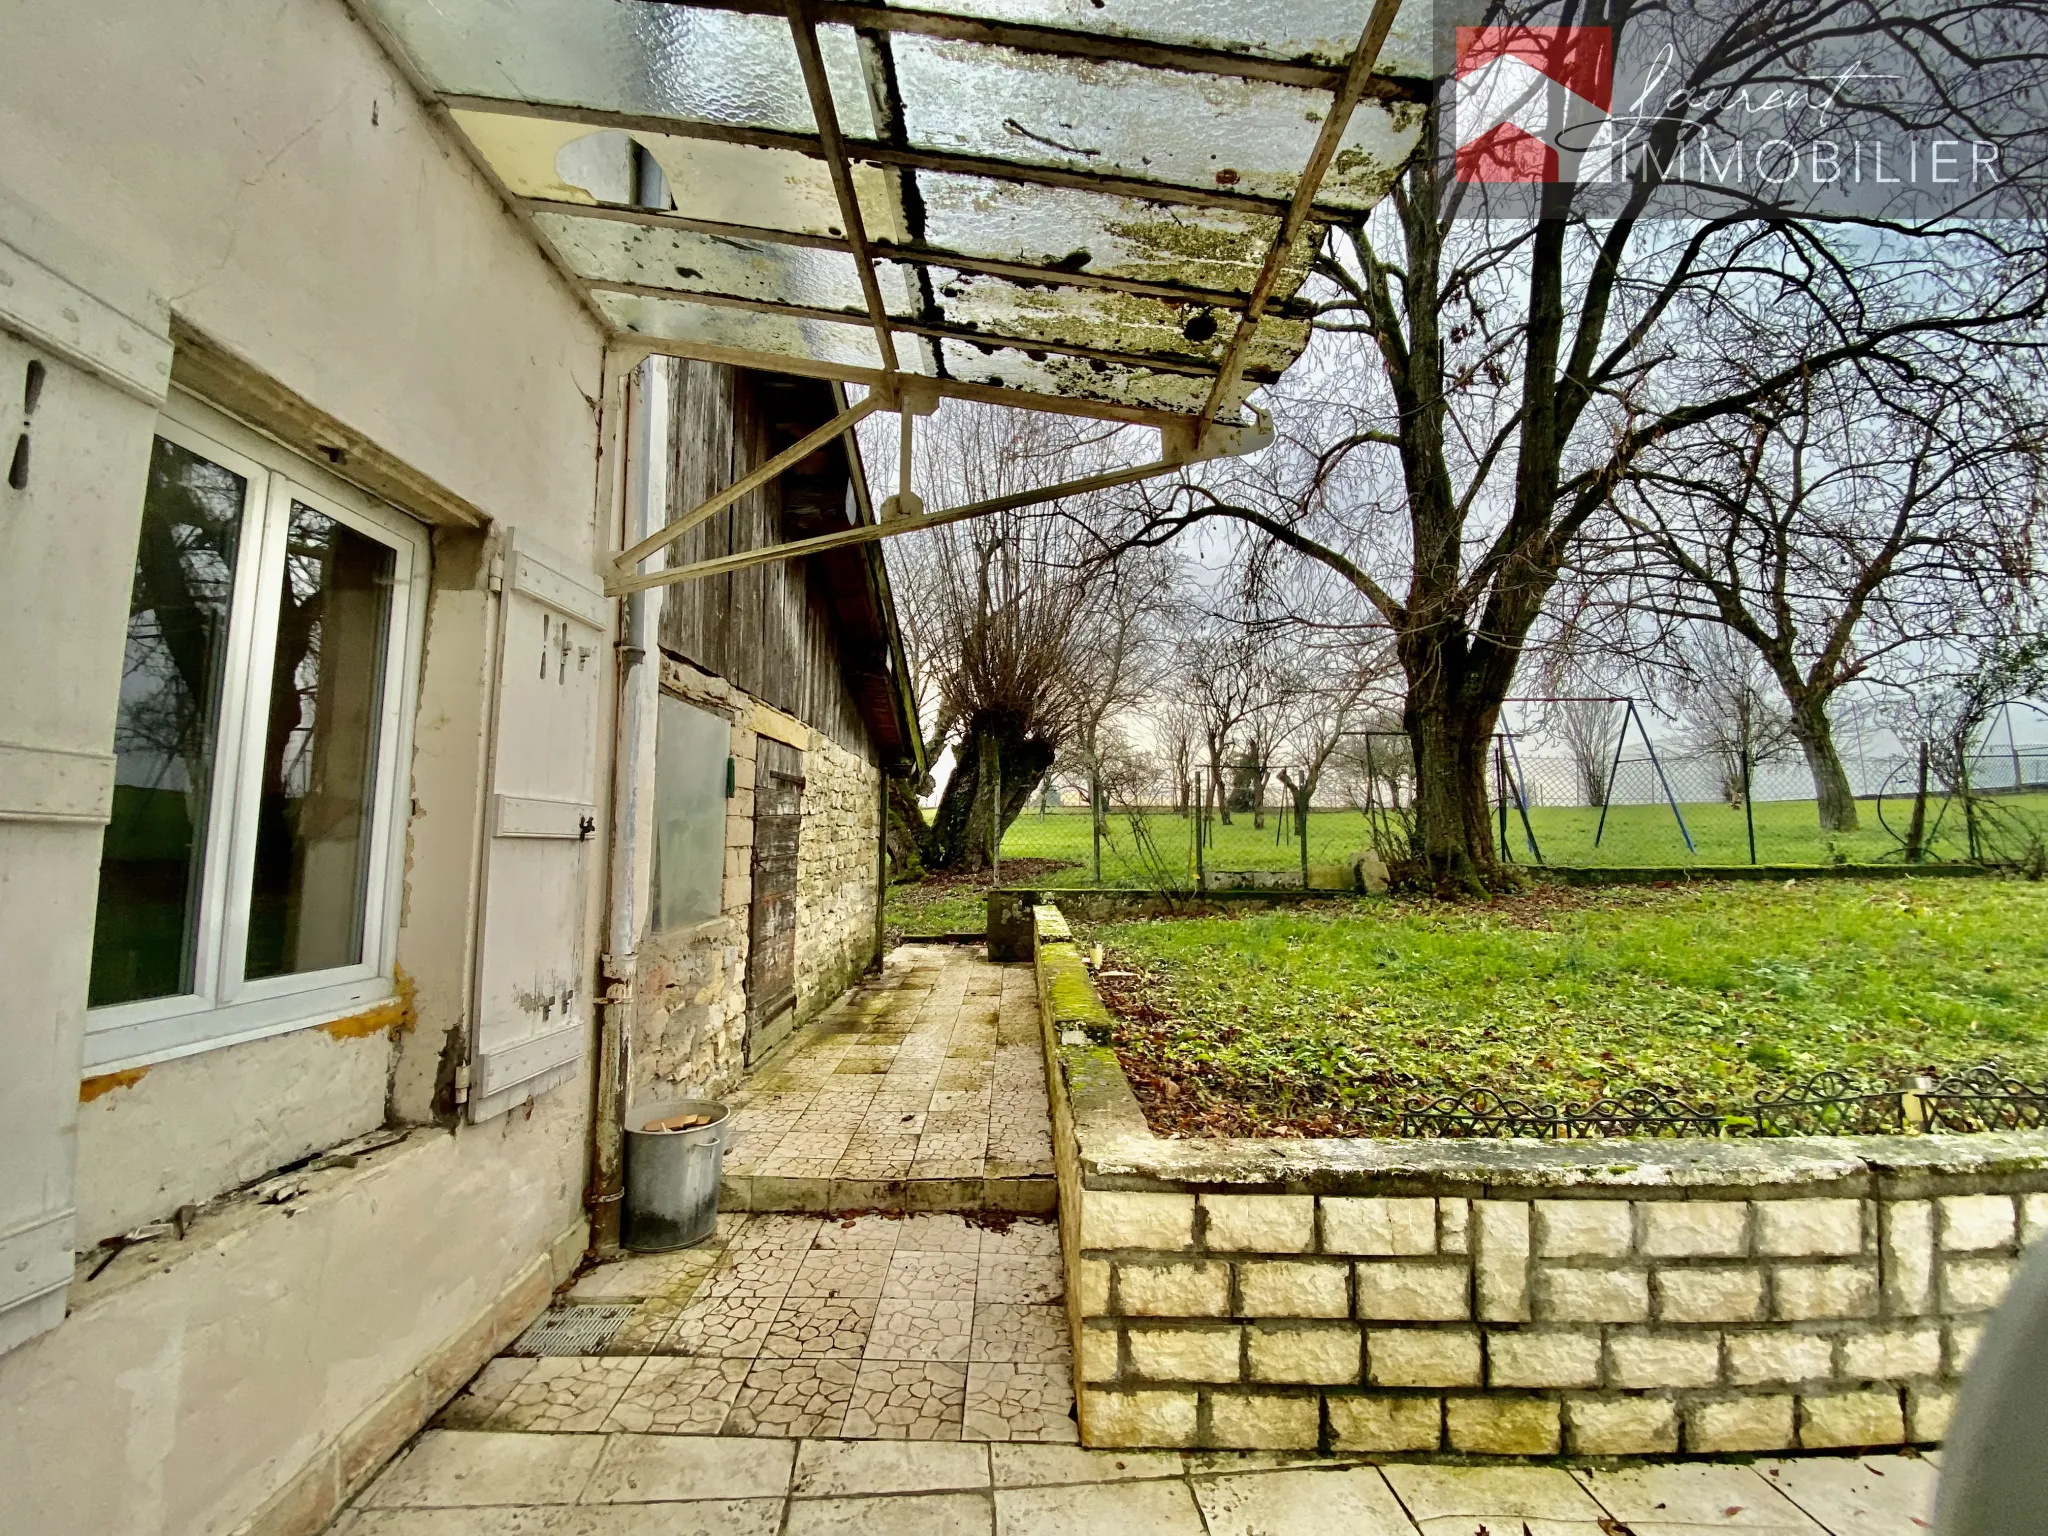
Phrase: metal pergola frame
pixel 1186 438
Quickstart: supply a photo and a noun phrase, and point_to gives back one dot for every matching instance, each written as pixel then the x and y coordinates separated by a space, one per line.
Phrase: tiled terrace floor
pixel 921 1327
pixel 923 1089
pixel 453 1484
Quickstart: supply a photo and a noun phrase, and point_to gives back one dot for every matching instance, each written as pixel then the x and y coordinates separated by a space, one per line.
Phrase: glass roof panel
pixel 1218 249
pixel 1077 377
pixel 612 250
pixel 1321 31
pixel 722 183
pixel 1109 321
pixel 825 341
pixel 1114 118
pixel 627 56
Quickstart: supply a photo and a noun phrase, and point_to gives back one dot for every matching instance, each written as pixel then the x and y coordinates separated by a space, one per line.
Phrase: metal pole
pixel 1521 782
pixel 1671 799
pixel 1095 815
pixel 1613 773
pixel 1301 825
pixel 1201 821
pixel 1500 797
pixel 1748 805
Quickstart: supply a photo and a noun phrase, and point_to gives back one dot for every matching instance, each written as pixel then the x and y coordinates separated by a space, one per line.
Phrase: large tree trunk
pixel 991 747
pixel 1831 791
pixel 1449 724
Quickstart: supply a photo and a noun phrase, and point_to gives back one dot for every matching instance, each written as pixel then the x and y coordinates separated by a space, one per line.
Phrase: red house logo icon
pixel 1532 103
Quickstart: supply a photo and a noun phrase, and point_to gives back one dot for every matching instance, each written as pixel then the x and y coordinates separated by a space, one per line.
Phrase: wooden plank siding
pixel 786 632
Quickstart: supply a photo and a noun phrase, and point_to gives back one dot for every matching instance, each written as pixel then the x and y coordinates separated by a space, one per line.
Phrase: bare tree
pixel 1022 644
pixel 1846 521
pixel 1511 372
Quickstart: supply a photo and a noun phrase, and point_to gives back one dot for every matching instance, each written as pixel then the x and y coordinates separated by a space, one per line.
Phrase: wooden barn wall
pixel 766 628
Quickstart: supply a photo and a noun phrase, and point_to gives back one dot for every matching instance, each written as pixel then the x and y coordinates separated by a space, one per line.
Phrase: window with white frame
pixel 249 874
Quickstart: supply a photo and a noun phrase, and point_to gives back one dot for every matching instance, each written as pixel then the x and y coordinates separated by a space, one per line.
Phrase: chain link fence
pixel 1646 808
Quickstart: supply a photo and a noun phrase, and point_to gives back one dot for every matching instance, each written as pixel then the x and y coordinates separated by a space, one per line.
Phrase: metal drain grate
pixel 576 1329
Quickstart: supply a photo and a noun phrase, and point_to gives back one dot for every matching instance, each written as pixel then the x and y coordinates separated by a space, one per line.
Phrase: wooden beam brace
pixel 877 399
pixel 1180 447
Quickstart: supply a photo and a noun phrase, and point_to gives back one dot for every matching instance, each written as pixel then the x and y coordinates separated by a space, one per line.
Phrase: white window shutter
pixel 534 973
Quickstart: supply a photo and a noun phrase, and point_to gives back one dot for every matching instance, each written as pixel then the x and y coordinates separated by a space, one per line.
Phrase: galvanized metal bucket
pixel 672 1175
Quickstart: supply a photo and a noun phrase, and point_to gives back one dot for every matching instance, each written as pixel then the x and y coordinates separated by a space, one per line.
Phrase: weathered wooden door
pixel 771 919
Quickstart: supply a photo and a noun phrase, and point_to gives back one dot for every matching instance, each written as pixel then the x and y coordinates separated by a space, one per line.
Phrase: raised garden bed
pixel 1514 1298
pixel 1332 1018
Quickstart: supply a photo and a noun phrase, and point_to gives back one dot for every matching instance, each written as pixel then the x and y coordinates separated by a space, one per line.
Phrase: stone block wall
pixel 836 873
pixel 1517 1298
pixel 690 1000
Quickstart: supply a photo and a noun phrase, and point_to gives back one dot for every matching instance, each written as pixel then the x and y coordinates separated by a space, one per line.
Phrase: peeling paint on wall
pixel 107 1082
pixel 396 1015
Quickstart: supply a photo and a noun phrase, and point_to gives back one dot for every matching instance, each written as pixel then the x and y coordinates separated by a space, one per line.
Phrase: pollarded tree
pixel 1022 646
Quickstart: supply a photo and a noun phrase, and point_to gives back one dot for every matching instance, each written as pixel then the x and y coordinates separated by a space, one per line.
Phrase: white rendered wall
pixel 264 173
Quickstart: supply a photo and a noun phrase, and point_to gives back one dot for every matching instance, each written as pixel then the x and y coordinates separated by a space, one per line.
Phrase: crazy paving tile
pixel 793 1398
pixel 1033 1402
pixel 566 1394
pixel 820 1328
pixel 922 1329
pixel 679 1395
pixel 1020 1277
pixel 1019 1334
pixel 906 1400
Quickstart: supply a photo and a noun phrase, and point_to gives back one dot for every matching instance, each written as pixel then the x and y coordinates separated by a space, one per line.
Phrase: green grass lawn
pixel 1151 849
pixel 1327 1019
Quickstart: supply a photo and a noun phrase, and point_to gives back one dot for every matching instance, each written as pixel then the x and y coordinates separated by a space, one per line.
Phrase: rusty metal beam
pixel 795 454
pixel 1356 78
pixel 926 255
pixel 1157 362
pixel 1184 58
pixel 826 115
pixel 870 152
pixel 868 533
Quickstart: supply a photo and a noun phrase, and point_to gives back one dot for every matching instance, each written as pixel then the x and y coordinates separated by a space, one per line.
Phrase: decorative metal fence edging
pixel 1980 1098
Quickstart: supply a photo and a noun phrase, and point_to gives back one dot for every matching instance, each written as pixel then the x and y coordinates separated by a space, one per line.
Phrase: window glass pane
pixel 166 729
pixel 319 767
pixel 690 750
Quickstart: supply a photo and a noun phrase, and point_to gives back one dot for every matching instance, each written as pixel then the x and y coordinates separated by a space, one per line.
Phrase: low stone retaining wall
pixel 1514 1298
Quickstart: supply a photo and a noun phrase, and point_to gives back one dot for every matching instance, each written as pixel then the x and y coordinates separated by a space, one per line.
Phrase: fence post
pixel 1969 804
pixel 1500 796
pixel 1095 816
pixel 1201 821
pixel 1301 825
pixel 1916 829
pixel 1748 805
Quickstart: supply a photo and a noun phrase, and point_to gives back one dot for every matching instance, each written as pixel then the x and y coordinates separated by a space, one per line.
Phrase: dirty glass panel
pixel 1310 30
pixel 316 783
pixel 626 56
pixel 166 729
pixel 1079 377
pixel 1212 248
pixel 1105 116
pixel 1092 317
pixel 1110 321
pixel 1189 130
pixel 851 344
pixel 615 251
pixel 691 750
